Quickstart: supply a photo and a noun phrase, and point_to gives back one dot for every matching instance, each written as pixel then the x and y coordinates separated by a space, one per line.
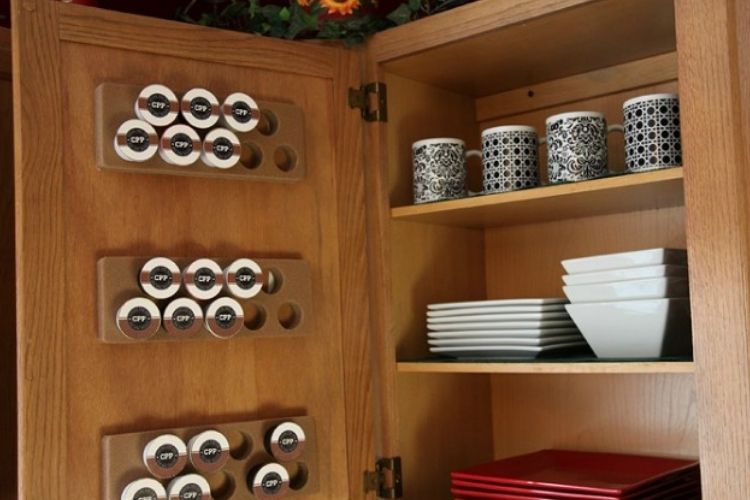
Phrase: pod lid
pixel 144 489
pixel 209 451
pixel 287 441
pixel 165 456
pixel 224 318
pixel 180 145
pixel 240 112
pixel 221 148
pixel 183 317
pixel 189 487
pixel 138 319
pixel 136 140
pixel 203 279
pixel 200 108
pixel 244 278
pixel 160 278
pixel 270 481
pixel 157 105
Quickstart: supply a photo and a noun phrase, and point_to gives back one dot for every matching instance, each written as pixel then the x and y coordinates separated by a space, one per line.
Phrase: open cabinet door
pixel 74 389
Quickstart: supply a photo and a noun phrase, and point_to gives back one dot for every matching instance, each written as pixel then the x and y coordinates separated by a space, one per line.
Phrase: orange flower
pixel 342 7
pixel 304 3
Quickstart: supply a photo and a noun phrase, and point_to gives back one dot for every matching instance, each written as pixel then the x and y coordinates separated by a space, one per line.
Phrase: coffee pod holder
pixel 274 152
pixel 122 456
pixel 283 308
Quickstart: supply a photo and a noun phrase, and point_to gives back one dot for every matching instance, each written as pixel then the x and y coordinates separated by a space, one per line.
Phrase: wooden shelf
pixel 542 367
pixel 616 194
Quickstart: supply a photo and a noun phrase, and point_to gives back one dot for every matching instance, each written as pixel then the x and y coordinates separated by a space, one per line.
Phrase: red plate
pixel 682 492
pixel 605 474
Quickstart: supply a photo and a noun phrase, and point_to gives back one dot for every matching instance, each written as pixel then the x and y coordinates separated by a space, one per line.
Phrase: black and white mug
pixel 652 132
pixel 510 158
pixel 577 146
pixel 440 169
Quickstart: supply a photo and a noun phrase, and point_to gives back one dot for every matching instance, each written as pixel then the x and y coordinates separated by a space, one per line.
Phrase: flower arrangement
pixel 349 20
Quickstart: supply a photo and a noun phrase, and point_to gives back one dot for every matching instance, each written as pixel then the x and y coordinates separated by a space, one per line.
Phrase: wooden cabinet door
pixel 72 388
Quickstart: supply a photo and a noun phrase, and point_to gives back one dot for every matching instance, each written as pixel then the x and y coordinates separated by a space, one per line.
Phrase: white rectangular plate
pixel 652 257
pixel 490 303
pixel 531 333
pixel 633 273
pixel 505 352
pixel 500 325
pixel 500 317
pixel 465 311
pixel 506 342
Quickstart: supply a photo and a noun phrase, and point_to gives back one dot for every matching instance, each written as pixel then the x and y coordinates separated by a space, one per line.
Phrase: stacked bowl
pixel 633 304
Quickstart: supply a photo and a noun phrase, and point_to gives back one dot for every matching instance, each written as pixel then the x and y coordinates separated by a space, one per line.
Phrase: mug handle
pixel 615 128
pixel 477 154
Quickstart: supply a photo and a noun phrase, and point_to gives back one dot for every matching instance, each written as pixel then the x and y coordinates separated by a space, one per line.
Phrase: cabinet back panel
pixel 115 389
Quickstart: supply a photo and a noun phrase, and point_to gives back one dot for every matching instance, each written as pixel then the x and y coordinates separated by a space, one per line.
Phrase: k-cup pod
pixel 286 442
pixel 136 140
pixel 224 318
pixel 157 105
pixel 200 108
pixel 138 319
pixel 165 456
pixel 209 451
pixel 240 112
pixel 203 279
pixel 269 481
pixel 180 145
pixel 183 318
pixel 160 278
pixel 221 148
pixel 144 489
pixel 244 278
pixel 189 487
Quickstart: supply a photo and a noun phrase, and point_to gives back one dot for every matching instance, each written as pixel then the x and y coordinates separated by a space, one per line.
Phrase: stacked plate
pixel 632 304
pixel 556 474
pixel 522 328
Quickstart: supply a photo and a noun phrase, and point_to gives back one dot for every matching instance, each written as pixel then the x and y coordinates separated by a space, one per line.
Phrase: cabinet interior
pixel 593 57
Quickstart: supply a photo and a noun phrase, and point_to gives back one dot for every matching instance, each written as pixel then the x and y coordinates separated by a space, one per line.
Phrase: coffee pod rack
pixel 249 451
pixel 274 151
pixel 283 307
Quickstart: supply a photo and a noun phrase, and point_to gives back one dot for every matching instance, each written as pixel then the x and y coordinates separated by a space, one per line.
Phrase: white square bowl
pixel 629 273
pixel 658 288
pixel 635 328
pixel 653 257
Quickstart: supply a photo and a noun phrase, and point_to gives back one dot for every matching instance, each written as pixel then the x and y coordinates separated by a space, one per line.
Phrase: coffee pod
pixel 165 456
pixel 189 487
pixel 221 148
pixel 203 279
pixel 180 145
pixel 200 108
pixel 136 140
pixel 144 489
pixel 160 278
pixel 209 451
pixel 269 481
pixel 286 442
pixel 244 278
pixel 224 318
pixel 138 319
pixel 183 318
pixel 240 112
pixel 157 105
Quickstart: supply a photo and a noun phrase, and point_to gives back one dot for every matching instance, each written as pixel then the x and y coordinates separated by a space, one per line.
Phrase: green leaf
pixel 402 14
pixel 415 5
pixel 284 14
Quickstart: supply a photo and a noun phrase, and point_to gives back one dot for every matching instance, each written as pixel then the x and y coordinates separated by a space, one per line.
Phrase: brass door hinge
pixel 386 480
pixel 361 99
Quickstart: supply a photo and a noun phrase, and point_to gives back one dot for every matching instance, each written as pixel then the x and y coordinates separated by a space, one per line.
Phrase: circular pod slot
pixel 269 122
pixel 289 315
pixel 208 451
pixel 180 145
pixel 183 317
pixel 285 158
pixel 200 108
pixel 269 481
pixel 240 445
pixel 274 281
pixel 165 456
pixel 144 489
pixel 160 278
pixel 136 140
pixel 251 156
pixel 204 279
pixel 286 442
pixel 255 316
pixel 221 149
pixel 157 105
pixel 222 485
pixel 299 474
pixel 244 278
pixel 189 487
pixel 138 319
pixel 240 112
pixel 224 318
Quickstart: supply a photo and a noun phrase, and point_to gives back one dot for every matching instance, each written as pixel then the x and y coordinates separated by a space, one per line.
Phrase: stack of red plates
pixel 578 475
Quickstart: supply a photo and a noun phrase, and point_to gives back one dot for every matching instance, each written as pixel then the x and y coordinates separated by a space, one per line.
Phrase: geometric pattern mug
pixel 652 132
pixel 509 158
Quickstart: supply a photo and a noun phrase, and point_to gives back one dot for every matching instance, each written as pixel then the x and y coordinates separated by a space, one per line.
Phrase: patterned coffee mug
pixel 440 169
pixel 652 132
pixel 509 158
pixel 577 145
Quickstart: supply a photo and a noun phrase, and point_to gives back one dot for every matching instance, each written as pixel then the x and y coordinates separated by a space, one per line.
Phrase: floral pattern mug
pixel 440 169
